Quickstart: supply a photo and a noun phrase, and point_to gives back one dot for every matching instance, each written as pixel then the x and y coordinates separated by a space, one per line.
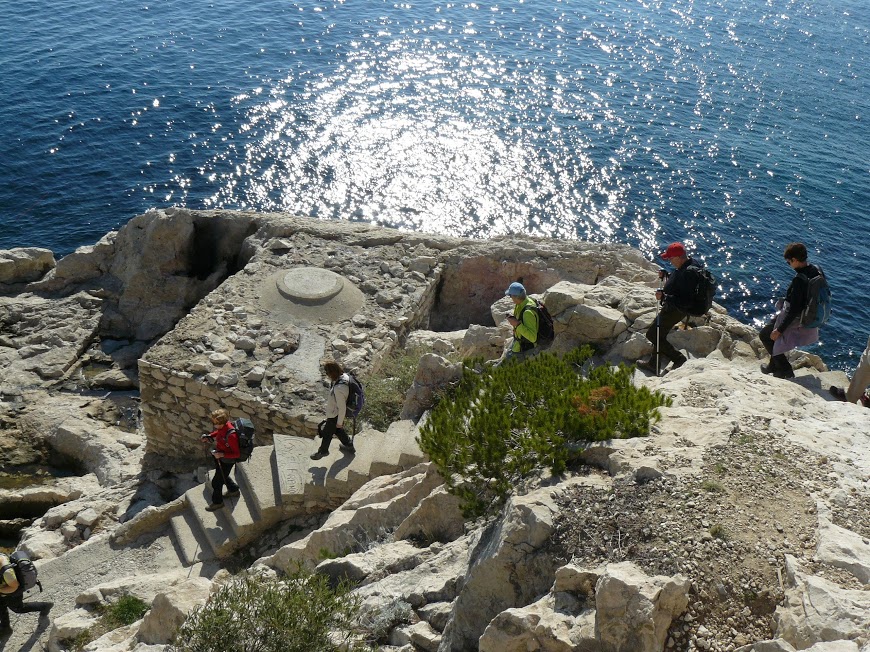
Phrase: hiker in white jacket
pixel 336 410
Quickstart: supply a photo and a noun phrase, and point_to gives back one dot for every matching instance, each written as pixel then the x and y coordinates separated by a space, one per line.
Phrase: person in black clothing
pixel 12 597
pixel 676 296
pixel 788 318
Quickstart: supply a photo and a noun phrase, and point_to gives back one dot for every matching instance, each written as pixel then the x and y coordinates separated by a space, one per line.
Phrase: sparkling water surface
pixel 736 126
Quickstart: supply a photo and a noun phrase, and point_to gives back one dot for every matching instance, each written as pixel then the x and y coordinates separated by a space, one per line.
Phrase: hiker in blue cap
pixel 524 321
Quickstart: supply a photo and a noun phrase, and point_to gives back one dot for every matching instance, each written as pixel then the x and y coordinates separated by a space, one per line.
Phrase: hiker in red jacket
pixel 225 454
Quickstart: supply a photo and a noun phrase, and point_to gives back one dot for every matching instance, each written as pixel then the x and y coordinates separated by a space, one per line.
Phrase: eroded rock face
pixel 818 610
pixel 25 264
pixel 434 373
pixel 508 569
pixel 170 608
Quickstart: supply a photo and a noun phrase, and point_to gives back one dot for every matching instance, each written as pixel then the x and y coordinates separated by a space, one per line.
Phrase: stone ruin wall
pixel 175 403
pixel 402 280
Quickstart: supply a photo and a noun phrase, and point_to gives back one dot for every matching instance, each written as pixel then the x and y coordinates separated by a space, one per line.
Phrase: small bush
pixel 386 388
pixel 504 425
pixel 125 611
pixel 718 531
pixel 711 485
pixel 297 613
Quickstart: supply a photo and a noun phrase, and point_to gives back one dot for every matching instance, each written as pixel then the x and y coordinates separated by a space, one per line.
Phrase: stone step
pixel 329 481
pixel 192 542
pixel 216 525
pixel 260 475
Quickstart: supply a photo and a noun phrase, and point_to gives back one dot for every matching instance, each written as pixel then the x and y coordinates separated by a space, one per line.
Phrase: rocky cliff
pixel 740 523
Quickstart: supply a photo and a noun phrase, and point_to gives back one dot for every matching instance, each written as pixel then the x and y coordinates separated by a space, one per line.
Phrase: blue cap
pixel 515 290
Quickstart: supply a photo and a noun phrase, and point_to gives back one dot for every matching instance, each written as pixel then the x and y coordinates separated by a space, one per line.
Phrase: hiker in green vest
pixel 524 322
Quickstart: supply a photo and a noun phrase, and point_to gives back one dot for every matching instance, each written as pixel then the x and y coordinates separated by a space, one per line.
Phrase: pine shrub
pixel 506 424
pixel 297 613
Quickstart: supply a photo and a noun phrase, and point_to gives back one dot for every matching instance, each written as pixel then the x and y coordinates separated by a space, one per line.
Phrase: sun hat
pixel 515 290
pixel 674 250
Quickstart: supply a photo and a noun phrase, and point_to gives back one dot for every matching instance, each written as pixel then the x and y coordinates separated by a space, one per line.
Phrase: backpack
pixel 356 396
pixel 546 333
pixel 25 572
pixel 818 308
pixel 705 289
pixel 245 432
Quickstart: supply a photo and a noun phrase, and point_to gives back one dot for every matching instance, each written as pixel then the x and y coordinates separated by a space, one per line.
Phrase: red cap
pixel 674 250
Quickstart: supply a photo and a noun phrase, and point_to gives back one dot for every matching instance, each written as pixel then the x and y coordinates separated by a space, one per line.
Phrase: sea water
pixel 735 126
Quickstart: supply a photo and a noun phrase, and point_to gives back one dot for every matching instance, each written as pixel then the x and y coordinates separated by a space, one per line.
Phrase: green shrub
pixel 297 613
pixel 506 424
pixel 386 388
pixel 125 611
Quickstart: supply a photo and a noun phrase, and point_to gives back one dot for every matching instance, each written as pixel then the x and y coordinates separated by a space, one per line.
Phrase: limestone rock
pixel 634 611
pixel 508 569
pixel 441 343
pixel 593 324
pixel 437 518
pixel 537 627
pixel 433 373
pixel 381 504
pixel 68 626
pixel 85 263
pixel 144 587
pixel 486 341
pixel 377 561
pixel 843 548
pixel 817 610
pixel 24 264
pixel 170 608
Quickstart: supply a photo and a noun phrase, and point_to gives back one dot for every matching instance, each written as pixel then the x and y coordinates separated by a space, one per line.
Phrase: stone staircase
pixel 280 482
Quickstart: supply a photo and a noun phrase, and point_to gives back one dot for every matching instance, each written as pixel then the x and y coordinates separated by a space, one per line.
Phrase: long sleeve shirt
pixel 526 332
pixel 226 441
pixel 796 297
pixel 336 402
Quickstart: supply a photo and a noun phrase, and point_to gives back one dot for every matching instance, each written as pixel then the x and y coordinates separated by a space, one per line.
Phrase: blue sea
pixel 735 126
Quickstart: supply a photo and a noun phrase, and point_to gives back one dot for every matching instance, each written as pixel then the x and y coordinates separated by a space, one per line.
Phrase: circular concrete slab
pixel 310 295
pixel 310 284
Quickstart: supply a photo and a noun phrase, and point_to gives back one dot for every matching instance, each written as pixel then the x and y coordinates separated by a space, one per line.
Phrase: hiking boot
pixel 6 630
pixel 679 362
pixel 865 400
pixel 837 392
pixel 346 448
pixel 214 507
pixel 318 455
pixel 768 369
pixel 235 493
pixel 785 374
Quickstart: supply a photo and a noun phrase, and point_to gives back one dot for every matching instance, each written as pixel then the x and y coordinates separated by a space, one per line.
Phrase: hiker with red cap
pixel 676 297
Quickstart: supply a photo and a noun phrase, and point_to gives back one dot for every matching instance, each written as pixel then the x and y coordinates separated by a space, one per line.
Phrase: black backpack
pixel 546 333
pixel 818 308
pixel 25 572
pixel 356 396
pixel 705 289
pixel 245 432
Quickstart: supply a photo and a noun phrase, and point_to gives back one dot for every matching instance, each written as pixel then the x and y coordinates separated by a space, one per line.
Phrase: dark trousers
pixel 328 431
pixel 18 605
pixel 668 318
pixel 221 476
pixel 779 364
